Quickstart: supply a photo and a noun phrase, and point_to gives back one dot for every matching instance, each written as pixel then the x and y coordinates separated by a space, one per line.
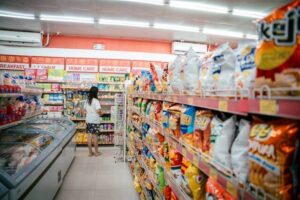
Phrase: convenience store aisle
pixel 98 178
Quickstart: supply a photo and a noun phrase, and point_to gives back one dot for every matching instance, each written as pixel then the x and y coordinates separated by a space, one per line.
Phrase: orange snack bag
pixel 278 53
pixel 271 148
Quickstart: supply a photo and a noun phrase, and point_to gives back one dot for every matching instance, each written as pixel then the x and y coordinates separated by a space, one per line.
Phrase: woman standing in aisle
pixel 93 113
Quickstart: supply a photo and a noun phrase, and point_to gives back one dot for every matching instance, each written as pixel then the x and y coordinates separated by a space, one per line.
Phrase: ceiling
pixel 115 9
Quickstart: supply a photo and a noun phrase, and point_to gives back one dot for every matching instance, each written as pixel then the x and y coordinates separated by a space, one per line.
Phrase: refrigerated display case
pixel 3 192
pixel 34 157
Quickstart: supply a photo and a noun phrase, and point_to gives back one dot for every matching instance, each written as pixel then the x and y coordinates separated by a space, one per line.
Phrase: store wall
pixel 77 42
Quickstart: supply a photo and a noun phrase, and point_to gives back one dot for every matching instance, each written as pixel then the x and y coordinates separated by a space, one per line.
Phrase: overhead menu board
pixel 87 65
pixel 11 62
pixel 47 63
pixel 114 66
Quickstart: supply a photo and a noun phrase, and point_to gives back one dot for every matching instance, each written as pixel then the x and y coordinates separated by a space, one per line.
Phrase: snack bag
pixel 160 177
pixel 175 75
pixel 221 138
pixel 271 149
pixel 278 52
pixel 196 182
pixel 157 73
pixel 245 70
pixel 222 77
pixel 191 72
pixel 187 123
pixel 175 163
pixel 205 72
pixel 215 191
pixel 174 120
pixel 239 151
pixel 164 79
pixel 165 114
pixel 202 130
pixel 144 106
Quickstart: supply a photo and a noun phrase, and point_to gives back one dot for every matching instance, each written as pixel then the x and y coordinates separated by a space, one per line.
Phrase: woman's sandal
pixel 91 154
pixel 97 154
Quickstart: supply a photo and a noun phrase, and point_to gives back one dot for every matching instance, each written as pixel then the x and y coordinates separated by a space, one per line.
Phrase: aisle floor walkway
pixel 97 178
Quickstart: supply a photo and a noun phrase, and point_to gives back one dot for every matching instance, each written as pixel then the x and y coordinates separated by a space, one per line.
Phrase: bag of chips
pixel 271 148
pixel 196 181
pixel 215 191
pixel 187 123
pixel 175 163
pixel 245 70
pixel 221 138
pixel 191 72
pixel 174 120
pixel 157 73
pixel 176 75
pixel 164 79
pixel 205 72
pixel 202 130
pixel 165 114
pixel 278 53
pixel 239 151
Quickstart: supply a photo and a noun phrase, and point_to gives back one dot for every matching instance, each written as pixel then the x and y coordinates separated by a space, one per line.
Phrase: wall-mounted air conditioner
pixel 180 48
pixel 14 38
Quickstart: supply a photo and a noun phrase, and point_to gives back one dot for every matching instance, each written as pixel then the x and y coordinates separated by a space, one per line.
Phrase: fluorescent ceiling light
pixel 86 20
pixel 222 33
pixel 176 27
pixel 198 6
pixel 123 23
pixel 153 2
pixel 252 36
pixel 247 13
pixel 16 15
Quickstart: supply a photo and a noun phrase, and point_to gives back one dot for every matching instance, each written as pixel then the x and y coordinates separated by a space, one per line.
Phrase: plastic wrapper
pixel 245 71
pixel 187 123
pixel 278 53
pixel 221 138
pixel 164 79
pixel 157 73
pixel 165 114
pixel 175 163
pixel 271 149
pixel 216 192
pixel 176 75
pixel 196 182
pixel 160 177
pixel 202 130
pixel 205 72
pixel 191 72
pixel 239 151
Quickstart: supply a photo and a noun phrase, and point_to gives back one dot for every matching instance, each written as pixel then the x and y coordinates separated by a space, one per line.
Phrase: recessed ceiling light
pixel 16 15
pixel 176 27
pixel 153 2
pixel 248 13
pixel 123 23
pixel 222 33
pixel 198 6
pixel 54 18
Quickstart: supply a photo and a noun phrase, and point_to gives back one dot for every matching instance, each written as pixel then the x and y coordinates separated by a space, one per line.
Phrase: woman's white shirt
pixel 91 111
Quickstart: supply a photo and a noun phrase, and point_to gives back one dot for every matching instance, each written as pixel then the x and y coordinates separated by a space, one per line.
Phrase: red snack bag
pixel 279 51
pixel 215 191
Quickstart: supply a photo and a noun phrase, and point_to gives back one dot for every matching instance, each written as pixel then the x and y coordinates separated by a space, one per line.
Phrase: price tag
pixel 268 106
pixel 196 160
pixel 184 153
pixel 232 189
pixel 190 100
pixel 213 174
pixel 223 105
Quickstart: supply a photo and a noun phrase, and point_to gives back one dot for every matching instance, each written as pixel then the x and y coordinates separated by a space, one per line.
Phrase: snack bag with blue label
pixel 187 120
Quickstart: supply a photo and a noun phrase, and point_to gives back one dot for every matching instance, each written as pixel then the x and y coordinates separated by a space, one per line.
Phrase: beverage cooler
pixel 35 156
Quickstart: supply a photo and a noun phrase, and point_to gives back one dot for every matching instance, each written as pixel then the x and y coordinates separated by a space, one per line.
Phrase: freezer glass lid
pixel 15 156
pixel 52 128
pixel 64 122
pixel 41 141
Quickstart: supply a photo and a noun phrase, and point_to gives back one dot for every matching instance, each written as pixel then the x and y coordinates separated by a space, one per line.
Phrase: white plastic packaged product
pixel 191 71
pixel 245 71
pixel 223 70
pixel 221 138
pixel 205 72
pixel 176 75
pixel 239 151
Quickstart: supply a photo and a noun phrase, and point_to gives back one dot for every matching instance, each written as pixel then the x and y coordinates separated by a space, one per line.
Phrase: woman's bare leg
pixel 96 145
pixel 89 140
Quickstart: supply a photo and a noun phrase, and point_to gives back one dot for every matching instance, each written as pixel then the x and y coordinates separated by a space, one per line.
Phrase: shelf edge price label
pixel 232 189
pixel 268 106
pixel 190 100
pixel 184 153
pixel 196 160
pixel 223 105
pixel 213 174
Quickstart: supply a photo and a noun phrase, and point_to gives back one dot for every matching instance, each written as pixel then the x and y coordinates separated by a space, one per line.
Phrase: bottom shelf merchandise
pixel 105 139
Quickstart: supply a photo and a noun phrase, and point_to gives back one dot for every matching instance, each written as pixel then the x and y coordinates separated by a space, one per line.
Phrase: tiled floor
pixel 97 178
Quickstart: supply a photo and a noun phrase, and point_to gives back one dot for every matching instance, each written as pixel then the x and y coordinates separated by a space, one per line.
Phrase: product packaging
pixel 215 191
pixel 187 123
pixel 271 149
pixel 176 75
pixel 205 72
pixel 174 120
pixel 191 67
pixel 157 73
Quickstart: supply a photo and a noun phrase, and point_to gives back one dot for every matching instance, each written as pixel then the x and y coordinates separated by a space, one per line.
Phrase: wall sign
pixel 47 63
pixel 81 65
pixel 114 66
pixel 10 62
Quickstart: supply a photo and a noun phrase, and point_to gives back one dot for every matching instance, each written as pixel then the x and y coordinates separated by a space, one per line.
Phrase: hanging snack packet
pixel 272 145
pixel 221 138
pixel 175 74
pixel 245 71
pixel 191 72
pixel 157 73
pixel 187 123
pixel 278 53
pixel 239 151
pixel 205 72
pixel 224 61
pixel 174 120
pixel 202 130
